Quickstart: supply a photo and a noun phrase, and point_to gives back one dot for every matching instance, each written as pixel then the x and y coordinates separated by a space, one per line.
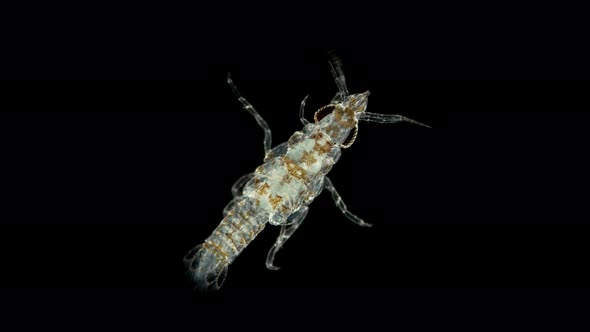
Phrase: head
pixel 340 120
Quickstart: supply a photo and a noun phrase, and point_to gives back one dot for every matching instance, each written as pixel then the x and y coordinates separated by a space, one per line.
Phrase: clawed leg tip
pixel 273 268
pixel 362 223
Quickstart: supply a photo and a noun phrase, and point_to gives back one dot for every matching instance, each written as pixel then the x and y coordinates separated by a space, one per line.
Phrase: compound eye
pixel 323 112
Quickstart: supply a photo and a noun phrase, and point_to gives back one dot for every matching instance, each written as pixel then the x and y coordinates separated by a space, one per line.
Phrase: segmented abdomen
pixel 209 261
pixel 240 226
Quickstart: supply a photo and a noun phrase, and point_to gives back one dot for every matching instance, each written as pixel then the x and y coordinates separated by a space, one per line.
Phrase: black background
pixel 109 182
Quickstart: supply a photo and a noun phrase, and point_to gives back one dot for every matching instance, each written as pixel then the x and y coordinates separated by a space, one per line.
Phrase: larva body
pixel 280 190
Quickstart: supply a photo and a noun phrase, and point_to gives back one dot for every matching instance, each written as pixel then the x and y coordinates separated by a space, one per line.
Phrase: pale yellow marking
pixel 295 170
pixel 337 114
pixel 286 179
pixel 344 117
pixel 234 227
pixel 239 226
pixel 316 135
pixel 239 230
pixel 322 148
pixel 333 131
pixel 348 122
pixel 308 158
pixel 275 201
pixel 263 189
pixel 231 236
pixel 209 245
pixel 284 209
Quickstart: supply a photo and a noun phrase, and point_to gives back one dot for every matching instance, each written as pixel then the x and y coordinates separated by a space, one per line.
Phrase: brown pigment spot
pixel 286 179
pixel 308 158
pixel 322 148
pixel 275 201
pixel 263 189
pixel 295 170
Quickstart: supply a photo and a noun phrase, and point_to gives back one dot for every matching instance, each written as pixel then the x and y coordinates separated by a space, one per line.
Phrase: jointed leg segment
pixel 287 230
pixel 238 186
pixel 302 111
pixel 340 204
pixel 252 110
pixel 236 191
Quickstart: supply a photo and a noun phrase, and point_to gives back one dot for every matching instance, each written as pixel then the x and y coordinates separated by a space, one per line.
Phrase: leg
pixel 302 111
pixel 230 205
pixel 340 204
pixel 294 221
pixel 387 118
pixel 236 191
pixel 251 110
pixel 237 188
pixel 277 151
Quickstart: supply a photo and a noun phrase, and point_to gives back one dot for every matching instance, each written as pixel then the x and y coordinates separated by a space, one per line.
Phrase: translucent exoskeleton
pixel 280 191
